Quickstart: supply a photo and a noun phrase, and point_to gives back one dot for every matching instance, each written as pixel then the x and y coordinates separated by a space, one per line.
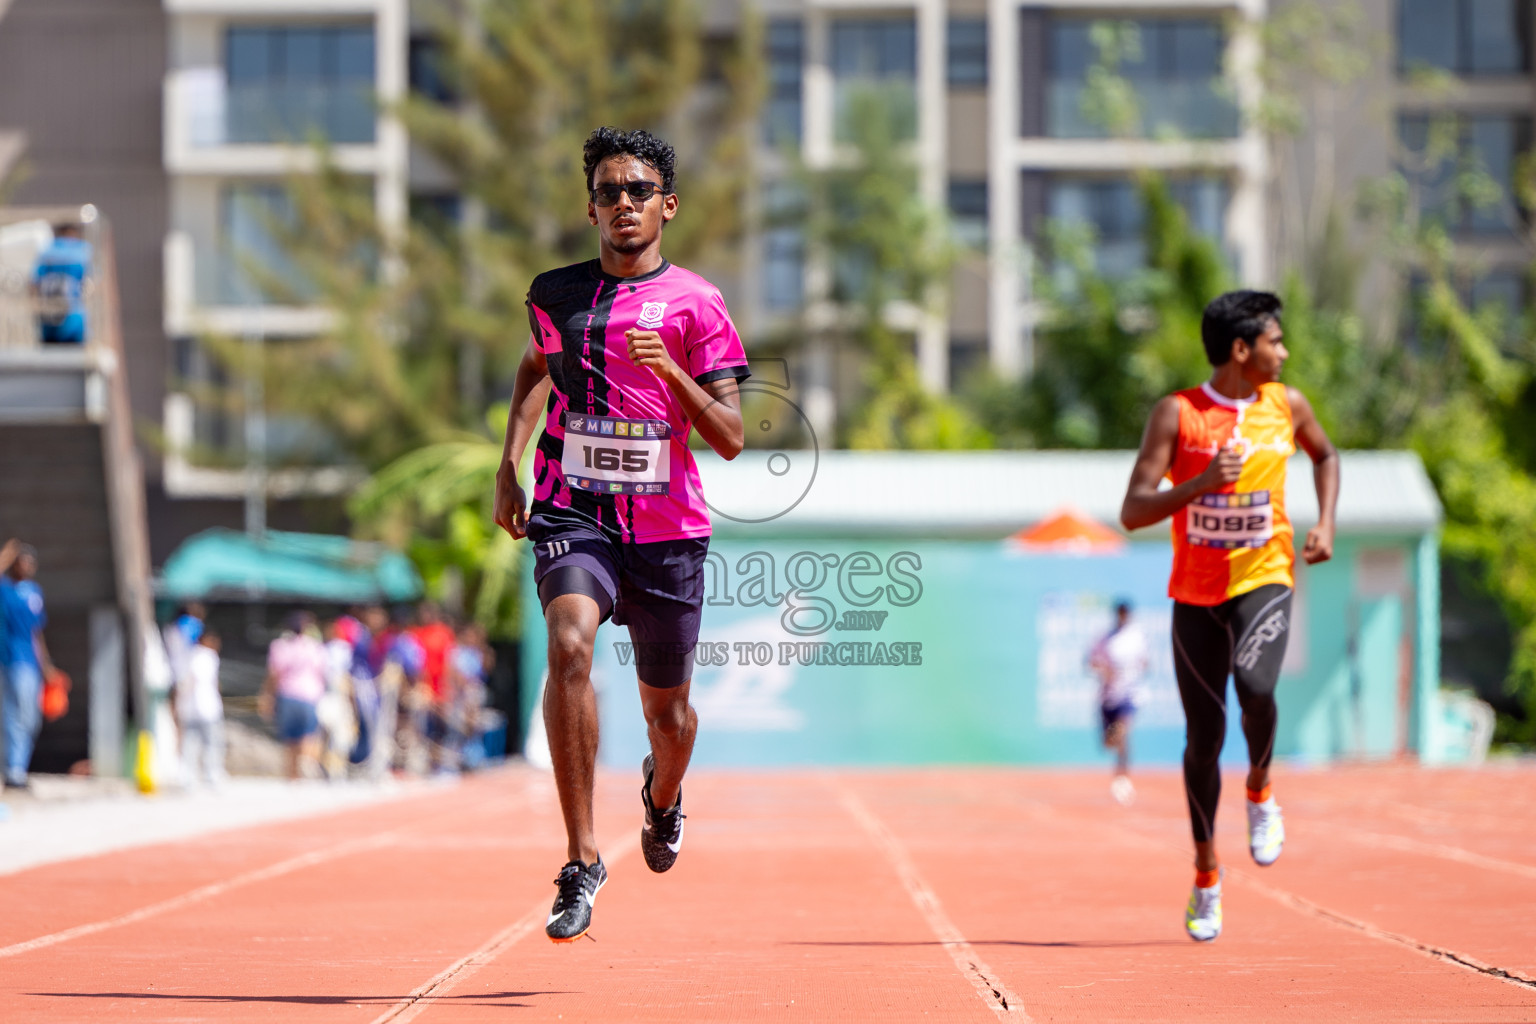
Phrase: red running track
pixel 942 894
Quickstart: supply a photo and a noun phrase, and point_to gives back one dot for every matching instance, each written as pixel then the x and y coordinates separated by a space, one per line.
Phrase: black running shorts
pixel 656 589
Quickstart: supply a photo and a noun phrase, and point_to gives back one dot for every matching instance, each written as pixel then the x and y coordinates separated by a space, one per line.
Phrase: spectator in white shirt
pixel 200 711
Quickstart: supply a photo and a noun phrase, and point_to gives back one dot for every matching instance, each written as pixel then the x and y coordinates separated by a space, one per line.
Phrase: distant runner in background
pixel 1120 659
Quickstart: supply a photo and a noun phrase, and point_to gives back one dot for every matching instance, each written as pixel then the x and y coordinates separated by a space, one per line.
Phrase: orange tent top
pixel 1067 531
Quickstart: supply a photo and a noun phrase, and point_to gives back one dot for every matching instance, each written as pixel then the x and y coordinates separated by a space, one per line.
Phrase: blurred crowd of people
pixel 364 694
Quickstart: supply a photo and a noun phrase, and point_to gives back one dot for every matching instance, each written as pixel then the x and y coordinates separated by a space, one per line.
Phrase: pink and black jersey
pixel 618 417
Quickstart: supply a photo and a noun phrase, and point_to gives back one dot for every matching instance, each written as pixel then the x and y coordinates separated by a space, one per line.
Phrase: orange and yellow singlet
pixel 1237 539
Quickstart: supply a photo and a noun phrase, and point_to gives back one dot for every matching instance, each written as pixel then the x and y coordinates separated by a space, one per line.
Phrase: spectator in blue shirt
pixel 23 657
pixel 60 285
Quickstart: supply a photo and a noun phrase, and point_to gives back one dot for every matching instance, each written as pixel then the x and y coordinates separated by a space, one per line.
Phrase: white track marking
pixel 1456 853
pixel 207 892
pixel 450 977
pixel 1300 904
pixel 1451 956
pixel 997 996
pixel 213 889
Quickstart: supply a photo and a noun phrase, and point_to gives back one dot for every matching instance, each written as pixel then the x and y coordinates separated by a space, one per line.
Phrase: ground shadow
pixel 1056 944
pixel 493 999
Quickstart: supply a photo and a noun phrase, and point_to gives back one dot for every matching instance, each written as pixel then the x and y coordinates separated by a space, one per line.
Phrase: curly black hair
pixel 640 144
pixel 1240 314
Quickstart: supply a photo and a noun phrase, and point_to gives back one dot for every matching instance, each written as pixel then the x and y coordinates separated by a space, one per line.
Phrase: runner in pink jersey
pixel 628 356
pixel 579 315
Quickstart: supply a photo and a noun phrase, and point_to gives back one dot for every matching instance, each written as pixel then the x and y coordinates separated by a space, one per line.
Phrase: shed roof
pixel 221 564
pixel 993 493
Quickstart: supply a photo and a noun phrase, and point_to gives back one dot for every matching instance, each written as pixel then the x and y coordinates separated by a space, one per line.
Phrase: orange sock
pixel 1260 796
pixel 1206 879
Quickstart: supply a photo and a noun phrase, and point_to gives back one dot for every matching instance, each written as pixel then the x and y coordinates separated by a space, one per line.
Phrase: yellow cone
pixel 144 765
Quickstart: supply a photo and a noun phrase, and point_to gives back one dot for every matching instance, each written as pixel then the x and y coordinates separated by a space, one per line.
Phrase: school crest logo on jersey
pixel 651 314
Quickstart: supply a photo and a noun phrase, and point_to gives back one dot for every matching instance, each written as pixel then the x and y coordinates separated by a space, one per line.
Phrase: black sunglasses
pixel 639 191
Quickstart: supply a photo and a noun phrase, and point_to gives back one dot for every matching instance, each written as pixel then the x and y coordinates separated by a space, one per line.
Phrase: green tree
pixel 889 258
pixel 1108 348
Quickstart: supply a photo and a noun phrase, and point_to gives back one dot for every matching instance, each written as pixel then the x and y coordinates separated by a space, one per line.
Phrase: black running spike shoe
pixel 572 913
pixel 662 835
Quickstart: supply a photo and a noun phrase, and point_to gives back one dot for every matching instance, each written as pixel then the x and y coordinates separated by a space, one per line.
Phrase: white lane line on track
pixel 207 892
pixel 997 996
pixel 461 970
pixel 1306 906
pixel 213 889
pixel 1405 845
pixel 1302 905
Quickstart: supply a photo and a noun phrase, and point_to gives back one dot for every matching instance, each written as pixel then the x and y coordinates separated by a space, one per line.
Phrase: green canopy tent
pixel 227 565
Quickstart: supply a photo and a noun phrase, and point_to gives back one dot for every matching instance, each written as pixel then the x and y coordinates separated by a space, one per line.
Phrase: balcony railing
pixel 212 127
pixel 1190 109
pixel 208 288
pixel 221 114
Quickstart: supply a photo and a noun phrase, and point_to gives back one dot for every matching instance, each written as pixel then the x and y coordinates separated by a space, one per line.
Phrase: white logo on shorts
pixel 1269 630
pixel 651 314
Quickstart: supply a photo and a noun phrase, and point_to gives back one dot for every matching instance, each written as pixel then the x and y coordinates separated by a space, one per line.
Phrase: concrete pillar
pixel 108 691
pixel 1005 331
pixel 933 178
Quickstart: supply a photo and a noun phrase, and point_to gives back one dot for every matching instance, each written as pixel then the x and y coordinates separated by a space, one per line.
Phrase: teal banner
pixel 839 652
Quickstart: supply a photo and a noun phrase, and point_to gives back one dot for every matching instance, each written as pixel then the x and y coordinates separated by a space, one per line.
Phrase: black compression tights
pixel 1244 636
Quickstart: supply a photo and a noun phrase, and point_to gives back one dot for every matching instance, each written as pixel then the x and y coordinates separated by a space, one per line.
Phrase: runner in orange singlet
pixel 1224 447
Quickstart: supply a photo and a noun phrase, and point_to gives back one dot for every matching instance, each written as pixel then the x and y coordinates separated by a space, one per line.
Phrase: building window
pixel 783 241
pixel 968 211
pixel 429 70
pixel 1445 158
pixel 1499 297
pixel 967 357
pixel 252 267
pixel 289 82
pixel 437 213
pixel 1173 65
pixel 967 46
pixel 1502 294
pixel 786 58
pixel 1109 216
pixel 874 60
pixel 1465 37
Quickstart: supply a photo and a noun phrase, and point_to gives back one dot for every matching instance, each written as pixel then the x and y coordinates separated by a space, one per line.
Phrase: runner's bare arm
pixel 530 393
pixel 1325 475
pixel 1144 504
pixel 713 408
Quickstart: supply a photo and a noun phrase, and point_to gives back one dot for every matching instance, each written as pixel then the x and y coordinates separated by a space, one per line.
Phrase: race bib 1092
pixel 607 455
pixel 1231 520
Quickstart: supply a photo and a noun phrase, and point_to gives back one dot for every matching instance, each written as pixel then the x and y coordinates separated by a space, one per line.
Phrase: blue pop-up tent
pixel 227 565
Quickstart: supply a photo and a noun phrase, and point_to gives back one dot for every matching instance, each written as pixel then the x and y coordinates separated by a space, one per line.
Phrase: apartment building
pixel 180 118
pixel 1460 81
pixel 1001 138
pixel 249 84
